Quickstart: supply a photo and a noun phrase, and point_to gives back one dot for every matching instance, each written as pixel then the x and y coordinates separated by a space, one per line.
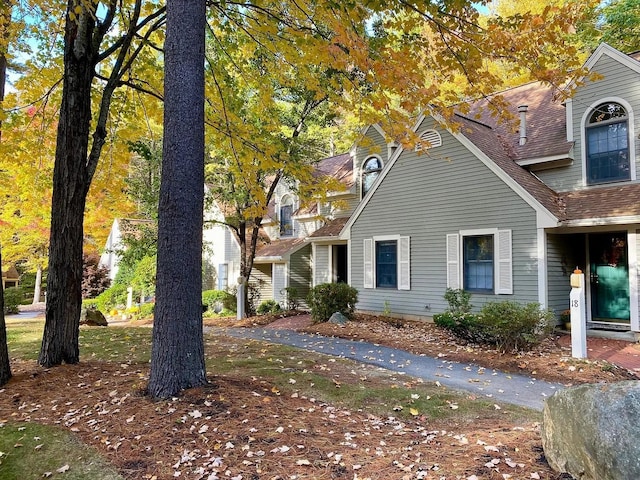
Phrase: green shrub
pixel 90 304
pixel 463 325
pixel 327 298
pixel 508 325
pixel 293 298
pixel 268 306
pixel 459 300
pixel 218 300
pixel 112 297
pixel 515 327
pixel 139 312
pixel 458 318
pixel 12 298
pixel 146 310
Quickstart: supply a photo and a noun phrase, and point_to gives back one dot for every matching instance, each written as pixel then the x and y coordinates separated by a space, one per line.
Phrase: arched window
pixel 607 144
pixel 370 170
pixel 286 216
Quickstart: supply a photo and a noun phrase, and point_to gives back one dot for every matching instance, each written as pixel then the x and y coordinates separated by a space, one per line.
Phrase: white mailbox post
pixel 240 298
pixel 578 315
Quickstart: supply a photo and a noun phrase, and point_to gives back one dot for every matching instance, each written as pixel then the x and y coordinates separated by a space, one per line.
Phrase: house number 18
pixel 575 303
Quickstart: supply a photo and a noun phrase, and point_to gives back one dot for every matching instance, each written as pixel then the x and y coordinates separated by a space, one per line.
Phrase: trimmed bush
pixel 90 303
pixel 507 325
pixel 458 318
pixel 112 297
pixel 511 326
pixel 268 306
pixel 146 310
pixel 328 298
pixel 12 298
pixel 218 299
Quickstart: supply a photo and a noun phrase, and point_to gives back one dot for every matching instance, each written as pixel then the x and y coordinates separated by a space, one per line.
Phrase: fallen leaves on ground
pixel 227 431
pixel 549 361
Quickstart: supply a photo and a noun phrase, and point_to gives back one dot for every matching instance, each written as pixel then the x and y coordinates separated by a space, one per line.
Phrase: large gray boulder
pixel 93 318
pixel 591 431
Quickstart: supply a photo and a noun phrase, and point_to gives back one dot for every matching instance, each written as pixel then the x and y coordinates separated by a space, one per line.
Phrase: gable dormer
pixel 370 155
pixel 602 118
pixel 608 142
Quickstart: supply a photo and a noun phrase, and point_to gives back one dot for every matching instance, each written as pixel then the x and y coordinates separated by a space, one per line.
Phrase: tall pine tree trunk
pixel 70 187
pixel 5 367
pixel 177 354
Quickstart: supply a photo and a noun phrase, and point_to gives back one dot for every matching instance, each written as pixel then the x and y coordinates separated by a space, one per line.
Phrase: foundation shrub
pixel 458 318
pixel 268 306
pixel 328 298
pixel 509 326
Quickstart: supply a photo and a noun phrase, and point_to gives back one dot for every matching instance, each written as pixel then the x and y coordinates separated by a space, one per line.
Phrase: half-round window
pixel 370 170
pixel 607 144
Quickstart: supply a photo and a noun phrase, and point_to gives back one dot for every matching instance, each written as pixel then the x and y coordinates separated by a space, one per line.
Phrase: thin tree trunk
pixel 177 354
pixel 70 187
pixel 38 287
pixel 5 366
pixel 5 22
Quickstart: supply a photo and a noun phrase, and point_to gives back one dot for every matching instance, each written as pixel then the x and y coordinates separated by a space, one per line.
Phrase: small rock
pixel 338 318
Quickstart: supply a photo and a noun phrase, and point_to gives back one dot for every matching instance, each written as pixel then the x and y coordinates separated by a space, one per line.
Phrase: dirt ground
pixel 247 429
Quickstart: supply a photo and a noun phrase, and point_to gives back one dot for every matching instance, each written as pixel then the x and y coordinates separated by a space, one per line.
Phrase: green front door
pixel 609 277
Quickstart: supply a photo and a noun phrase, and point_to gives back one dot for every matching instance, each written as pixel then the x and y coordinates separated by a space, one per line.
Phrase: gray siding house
pixel 508 213
pixel 301 246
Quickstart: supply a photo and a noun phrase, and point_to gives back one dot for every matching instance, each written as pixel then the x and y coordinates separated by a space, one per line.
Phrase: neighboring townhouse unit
pixel 504 214
pixel 10 277
pixel 121 227
pixel 300 245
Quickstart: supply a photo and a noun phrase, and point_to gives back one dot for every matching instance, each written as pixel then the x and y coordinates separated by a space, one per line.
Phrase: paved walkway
pixel 492 384
pixel 500 386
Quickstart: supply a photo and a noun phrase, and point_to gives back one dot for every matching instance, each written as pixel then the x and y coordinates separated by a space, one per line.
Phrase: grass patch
pixel 347 383
pixel 24 339
pixel 117 344
pixel 31 451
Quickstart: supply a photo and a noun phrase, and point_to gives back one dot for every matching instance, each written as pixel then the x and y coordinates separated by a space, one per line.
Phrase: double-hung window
pixel 480 261
pixel 387 262
pixel 478 264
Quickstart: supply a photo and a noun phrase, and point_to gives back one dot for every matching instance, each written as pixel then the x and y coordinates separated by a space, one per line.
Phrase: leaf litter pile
pixel 244 426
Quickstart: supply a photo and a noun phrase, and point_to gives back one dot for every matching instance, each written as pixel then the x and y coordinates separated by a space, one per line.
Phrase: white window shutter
pixel 368 262
pixel 453 261
pixel 404 265
pixel 504 284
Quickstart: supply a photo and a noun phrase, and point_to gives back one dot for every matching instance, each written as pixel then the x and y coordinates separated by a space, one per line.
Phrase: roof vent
pixel 428 139
pixel 523 123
